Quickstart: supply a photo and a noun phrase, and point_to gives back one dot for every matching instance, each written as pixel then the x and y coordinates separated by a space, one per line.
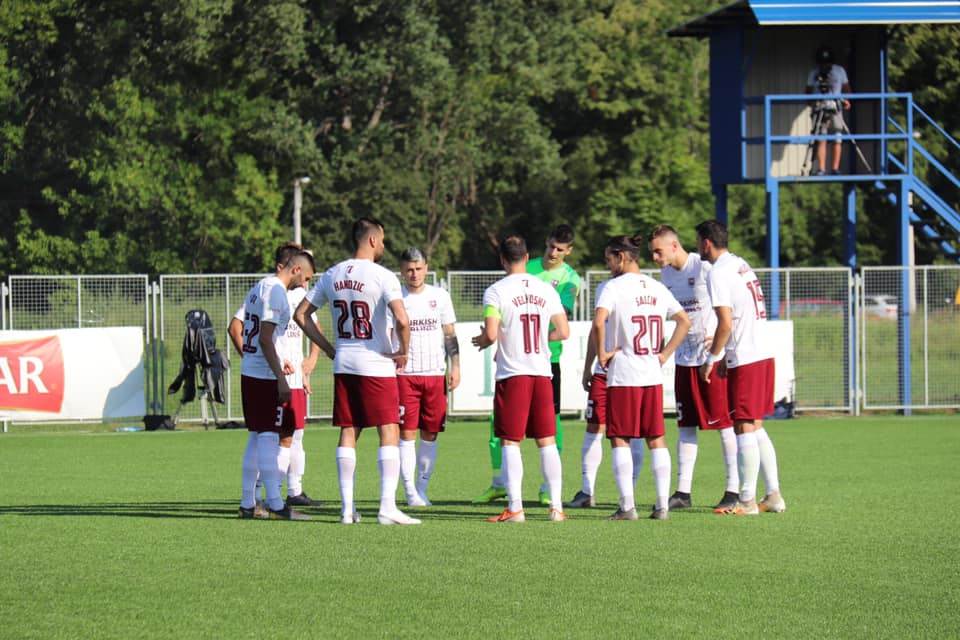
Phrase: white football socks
pixel 346 465
pixel 622 461
pixel 551 468
pixel 728 442
pixel 660 467
pixel 283 465
pixel 513 477
pixel 768 461
pixel 388 459
pixel 250 473
pixel 408 466
pixel 686 458
pixel 298 464
pixel 591 455
pixel 636 451
pixel 268 454
pixel 426 459
pixel 748 459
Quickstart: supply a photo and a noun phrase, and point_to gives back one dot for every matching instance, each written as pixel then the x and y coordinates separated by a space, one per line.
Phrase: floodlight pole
pixel 297 205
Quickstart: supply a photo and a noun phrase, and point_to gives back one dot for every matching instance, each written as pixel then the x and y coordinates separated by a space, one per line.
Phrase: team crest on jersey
pixel 554 283
pixel 433 304
pixel 690 281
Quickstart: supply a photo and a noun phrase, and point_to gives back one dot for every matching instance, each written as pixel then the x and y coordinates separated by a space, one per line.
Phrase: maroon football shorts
pixel 365 401
pixel 750 390
pixel 262 410
pixel 635 412
pixel 596 412
pixel 423 403
pixel 298 405
pixel 700 404
pixel 523 407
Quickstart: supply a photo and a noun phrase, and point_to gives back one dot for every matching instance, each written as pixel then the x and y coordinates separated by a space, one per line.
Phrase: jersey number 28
pixel 359 311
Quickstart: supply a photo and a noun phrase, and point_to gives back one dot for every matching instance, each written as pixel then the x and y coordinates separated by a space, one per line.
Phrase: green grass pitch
pixel 135 535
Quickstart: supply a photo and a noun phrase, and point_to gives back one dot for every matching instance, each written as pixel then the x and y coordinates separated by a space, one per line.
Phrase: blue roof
pixel 752 13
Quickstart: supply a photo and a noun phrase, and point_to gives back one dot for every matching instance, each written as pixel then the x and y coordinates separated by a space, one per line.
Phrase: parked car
pixel 812 307
pixel 880 307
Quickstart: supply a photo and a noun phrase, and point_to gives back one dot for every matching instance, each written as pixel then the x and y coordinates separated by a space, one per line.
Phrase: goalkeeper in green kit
pixel 552 269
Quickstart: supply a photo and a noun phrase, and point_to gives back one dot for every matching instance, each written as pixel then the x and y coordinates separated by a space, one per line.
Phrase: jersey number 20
pixel 645 324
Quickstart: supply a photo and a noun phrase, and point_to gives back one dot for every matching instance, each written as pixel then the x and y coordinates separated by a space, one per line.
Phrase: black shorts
pixel 555 368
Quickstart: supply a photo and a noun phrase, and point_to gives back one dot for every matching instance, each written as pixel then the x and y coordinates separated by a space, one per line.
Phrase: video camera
pixel 823 86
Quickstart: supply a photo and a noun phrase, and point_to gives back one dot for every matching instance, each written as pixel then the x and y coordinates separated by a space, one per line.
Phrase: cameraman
pixel 828 78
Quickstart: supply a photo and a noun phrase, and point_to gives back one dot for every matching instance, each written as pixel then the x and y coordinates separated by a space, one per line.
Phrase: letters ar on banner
pixel 72 374
pixel 475 393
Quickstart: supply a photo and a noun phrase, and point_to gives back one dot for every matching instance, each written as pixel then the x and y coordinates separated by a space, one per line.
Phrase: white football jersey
pixel 428 311
pixel 290 346
pixel 732 283
pixel 525 304
pixel 638 306
pixel 266 302
pixel 608 342
pixel 359 292
pixel 689 286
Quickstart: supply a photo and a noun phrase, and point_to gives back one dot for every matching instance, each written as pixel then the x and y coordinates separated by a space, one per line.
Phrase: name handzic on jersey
pixel 423 324
pixel 354 285
pixel 642 300
pixel 529 298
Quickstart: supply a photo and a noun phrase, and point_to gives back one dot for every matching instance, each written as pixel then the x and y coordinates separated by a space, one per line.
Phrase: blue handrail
pixel 936 126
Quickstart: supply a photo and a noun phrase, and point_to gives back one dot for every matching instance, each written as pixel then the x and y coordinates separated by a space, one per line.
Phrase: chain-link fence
pixel 76 302
pixel 831 313
pixel 910 337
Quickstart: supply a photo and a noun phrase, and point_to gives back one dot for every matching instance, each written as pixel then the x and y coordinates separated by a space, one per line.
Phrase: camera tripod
pixel 820 112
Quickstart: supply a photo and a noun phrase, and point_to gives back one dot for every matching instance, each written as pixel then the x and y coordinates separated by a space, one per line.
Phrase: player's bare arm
pixel 451 347
pixel 719 343
pixel 401 329
pixel 308 365
pixel 599 333
pixel 488 333
pixel 679 333
pixel 587 379
pixel 235 331
pixel 303 316
pixel 270 353
pixel 561 328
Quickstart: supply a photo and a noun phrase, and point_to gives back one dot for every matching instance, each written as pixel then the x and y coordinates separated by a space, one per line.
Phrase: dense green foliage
pixel 135 535
pixel 164 136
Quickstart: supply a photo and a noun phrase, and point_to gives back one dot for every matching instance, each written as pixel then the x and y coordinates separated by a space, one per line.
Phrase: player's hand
pixel 332 353
pixel 587 380
pixel 400 360
pixel 722 368
pixel 306 386
pixel 480 341
pixel 604 357
pixel 283 391
pixel 308 366
pixel 453 378
pixel 663 357
pixel 705 370
pixel 846 105
pixel 287 368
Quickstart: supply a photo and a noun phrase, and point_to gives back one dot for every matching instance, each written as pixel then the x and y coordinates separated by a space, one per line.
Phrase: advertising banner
pixel 72 374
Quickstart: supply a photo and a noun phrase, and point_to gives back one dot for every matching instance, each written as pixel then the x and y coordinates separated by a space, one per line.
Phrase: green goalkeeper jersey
pixel 566 282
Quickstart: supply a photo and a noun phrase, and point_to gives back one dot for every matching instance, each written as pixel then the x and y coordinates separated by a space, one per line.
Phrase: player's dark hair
pixel 562 234
pixel 362 229
pixel 286 252
pixel 626 244
pixel 412 254
pixel 662 230
pixel 713 231
pixel 307 257
pixel 513 248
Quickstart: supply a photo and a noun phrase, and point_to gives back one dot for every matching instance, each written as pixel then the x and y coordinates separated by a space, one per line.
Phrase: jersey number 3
pixel 359 311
